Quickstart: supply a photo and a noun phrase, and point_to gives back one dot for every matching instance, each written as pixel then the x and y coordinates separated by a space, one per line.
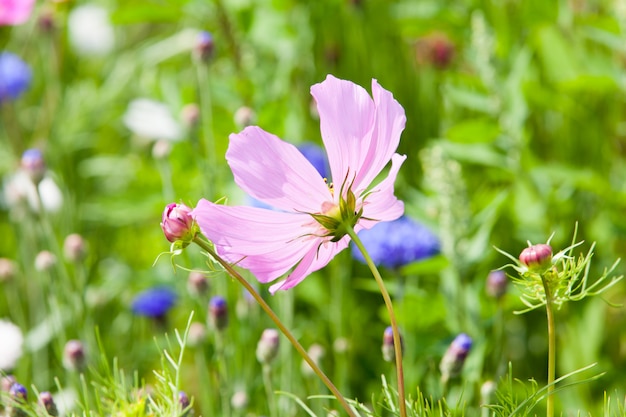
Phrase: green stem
pixel 397 343
pixel 551 348
pixel 267 381
pixel 268 310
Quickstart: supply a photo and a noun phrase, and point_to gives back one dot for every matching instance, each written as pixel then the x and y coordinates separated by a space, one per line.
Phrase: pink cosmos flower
pixel 15 12
pixel 360 134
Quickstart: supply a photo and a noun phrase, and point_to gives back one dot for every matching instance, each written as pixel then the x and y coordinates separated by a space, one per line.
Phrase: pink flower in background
pixel 361 135
pixel 15 12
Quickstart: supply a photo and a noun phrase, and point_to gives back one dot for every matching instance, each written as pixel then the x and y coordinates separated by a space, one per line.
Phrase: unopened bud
pixel 203 50
pixel 7 269
pixel 44 261
pixel 244 116
pixel 316 353
pixel 74 248
pixel 197 334
pixel 267 347
pixel 183 400
pixel 496 284
pixel 487 389
pixel 190 114
pixel 537 257
pixel 453 360
pixel 239 400
pixel 18 395
pixel 6 382
pixel 33 164
pixel 218 313
pixel 161 149
pixel 197 284
pixel 177 223
pixel 74 355
pixel 47 402
pixel 388 347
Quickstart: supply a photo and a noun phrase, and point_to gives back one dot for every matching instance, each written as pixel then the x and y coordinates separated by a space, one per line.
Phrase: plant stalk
pixel 551 347
pixel 233 273
pixel 397 344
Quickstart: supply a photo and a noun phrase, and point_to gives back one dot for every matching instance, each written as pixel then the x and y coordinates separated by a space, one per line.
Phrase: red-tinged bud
pixel 497 283
pixel 177 224
pixel 537 257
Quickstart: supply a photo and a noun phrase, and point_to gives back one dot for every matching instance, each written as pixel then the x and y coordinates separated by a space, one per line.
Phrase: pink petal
pixel 275 172
pixel 347 115
pixel 381 204
pixel 266 242
pixel 389 124
pixel 317 258
pixel 15 12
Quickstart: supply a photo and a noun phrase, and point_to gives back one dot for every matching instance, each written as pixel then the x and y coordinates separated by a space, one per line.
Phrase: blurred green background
pixel 515 130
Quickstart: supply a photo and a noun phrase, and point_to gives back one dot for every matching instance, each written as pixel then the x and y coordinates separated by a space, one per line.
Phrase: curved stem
pixel 551 348
pixel 231 271
pixel 397 343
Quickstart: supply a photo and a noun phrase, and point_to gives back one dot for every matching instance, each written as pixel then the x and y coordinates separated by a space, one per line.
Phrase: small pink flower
pixel 361 136
pixel 15 12
pixel 177 223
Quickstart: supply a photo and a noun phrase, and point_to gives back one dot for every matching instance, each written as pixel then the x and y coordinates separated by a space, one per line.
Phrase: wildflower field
pixel 312 208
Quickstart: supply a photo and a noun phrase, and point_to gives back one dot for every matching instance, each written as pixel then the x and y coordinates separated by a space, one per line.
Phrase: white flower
pixel 152 120
pixel 90 30
pixel 20 189
pixel 11 341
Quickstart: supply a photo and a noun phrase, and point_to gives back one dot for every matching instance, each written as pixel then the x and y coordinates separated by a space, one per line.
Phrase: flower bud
pixel 388 349
pixel 244 116
pixel 487 389
pixel 496 284
pixel 74 248
pixel 316 353
pixel 16 76
pixel 47 402
pixel 183 400
pixel 197 284
pixel 190 114
pixel 435 49
pixel 197 334
pixel 6 382
pixel 537 257
pixel 7 269
pixel 453 360
pixel 161 149
pixel 203 50
pixel 218 313
pixel 267 348
pixel 239 400
pixel 18 395
pixel 44 261
pixel 74 355
pixel 33 164
pixel 177 223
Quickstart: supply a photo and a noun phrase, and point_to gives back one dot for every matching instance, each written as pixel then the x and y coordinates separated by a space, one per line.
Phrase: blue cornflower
pixel 154 302
pixel 15 76
pixel 397 243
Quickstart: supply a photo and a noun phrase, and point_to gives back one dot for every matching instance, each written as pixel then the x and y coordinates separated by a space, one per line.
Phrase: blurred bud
pixel 16 76
pixel 316 353
pixel 197 334
pixel 161 149
pixel 46 21
pixel 47 402
pixel 487 389
pixel 6 382
pixel 496 284
pixel 74 248
pixel 453 360
pixel 183 400
pixel 537 257
pixel 435 49
pixel 388 349
pixel 74 355
pixel 244 116
pixel 44 261
pixel 7 269
pixel 197 284
pixel 218 313
pixel 267 347
pixel 203 49
pixel 239 400
pixel 33 164
pixel 341 345
pixel 18 395
pixel 177 224
pixel 190 114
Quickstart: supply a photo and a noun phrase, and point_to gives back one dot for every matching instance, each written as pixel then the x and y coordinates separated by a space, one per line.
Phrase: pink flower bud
pixel 537 256
pixel 178 224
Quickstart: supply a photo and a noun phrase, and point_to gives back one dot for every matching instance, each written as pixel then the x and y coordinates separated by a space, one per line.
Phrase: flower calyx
pixel 337 220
